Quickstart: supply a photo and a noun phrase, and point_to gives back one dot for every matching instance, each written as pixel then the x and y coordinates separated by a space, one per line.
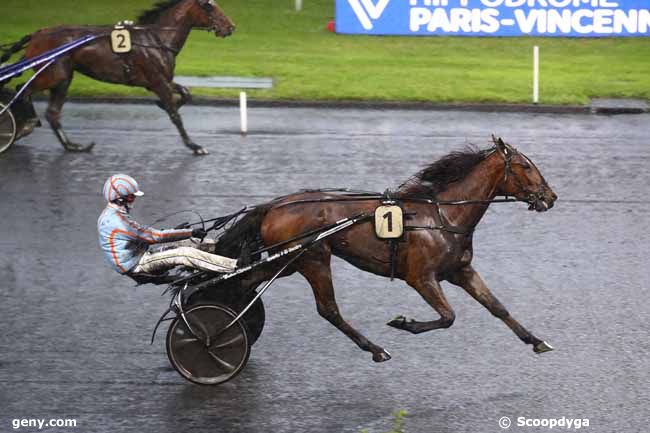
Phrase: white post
pixel 298 5
pixel 243 111
pixel 535 74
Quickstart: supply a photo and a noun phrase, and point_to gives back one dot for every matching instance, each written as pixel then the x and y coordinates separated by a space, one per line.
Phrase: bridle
pixel 208 7
pixel 532 197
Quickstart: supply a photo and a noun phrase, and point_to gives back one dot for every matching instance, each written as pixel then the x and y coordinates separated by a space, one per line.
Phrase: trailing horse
pixel 436 246
pixel 157 39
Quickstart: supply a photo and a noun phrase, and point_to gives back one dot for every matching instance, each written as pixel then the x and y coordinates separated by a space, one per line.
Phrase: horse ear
pixel 500 145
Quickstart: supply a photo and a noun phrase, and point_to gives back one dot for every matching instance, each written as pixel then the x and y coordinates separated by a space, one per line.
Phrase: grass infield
pixel 307 62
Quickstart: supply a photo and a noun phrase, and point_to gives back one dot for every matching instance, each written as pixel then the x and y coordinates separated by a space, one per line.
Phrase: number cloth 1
pixel 389 222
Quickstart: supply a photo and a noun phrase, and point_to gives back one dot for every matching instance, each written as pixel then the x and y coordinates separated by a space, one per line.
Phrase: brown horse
pixel 157 38
pixel 426 256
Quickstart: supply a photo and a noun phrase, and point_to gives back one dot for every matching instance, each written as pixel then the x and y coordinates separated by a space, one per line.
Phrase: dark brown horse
pixel 157 38
pixel 427 256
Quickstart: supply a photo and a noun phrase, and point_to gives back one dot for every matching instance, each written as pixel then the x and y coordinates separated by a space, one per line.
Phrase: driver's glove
pixel 199 233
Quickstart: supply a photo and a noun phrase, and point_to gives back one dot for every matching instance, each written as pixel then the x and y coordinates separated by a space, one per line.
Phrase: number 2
pixel 122 39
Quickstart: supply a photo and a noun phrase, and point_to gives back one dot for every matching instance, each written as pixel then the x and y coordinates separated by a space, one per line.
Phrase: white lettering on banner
pixel 490 20
pixel 603 21
pixel 621 19
pixel 458 19
pixel 576 21
pixel 559 3
pixel 491 3
pixel 559 21
pixel 461 19
pixel 518 3
pixel 644 20
pixel 545 3
pixel 507 17
pixel 439 20
pixel 526 22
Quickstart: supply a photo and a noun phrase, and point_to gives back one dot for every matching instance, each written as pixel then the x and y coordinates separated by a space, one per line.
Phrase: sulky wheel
pixel 254 318
pixel 7 128
pixel 208 354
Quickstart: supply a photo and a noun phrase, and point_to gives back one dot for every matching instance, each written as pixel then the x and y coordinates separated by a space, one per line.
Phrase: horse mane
pixel 436 177
pixel 150 16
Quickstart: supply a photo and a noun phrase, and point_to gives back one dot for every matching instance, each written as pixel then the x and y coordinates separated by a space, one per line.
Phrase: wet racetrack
pixel 74 340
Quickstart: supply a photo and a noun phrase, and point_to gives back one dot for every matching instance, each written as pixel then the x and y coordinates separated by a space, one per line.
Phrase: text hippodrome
pixel 543 21
pixel 519 3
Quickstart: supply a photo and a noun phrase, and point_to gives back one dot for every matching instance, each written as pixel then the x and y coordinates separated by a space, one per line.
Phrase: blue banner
pixel 559 18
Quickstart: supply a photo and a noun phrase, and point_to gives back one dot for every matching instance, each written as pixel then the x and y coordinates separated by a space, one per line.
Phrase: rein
pixel 377 196
pixel 149 29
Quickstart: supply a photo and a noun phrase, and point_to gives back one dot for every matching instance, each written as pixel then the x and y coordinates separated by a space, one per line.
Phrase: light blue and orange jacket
pixel 124 241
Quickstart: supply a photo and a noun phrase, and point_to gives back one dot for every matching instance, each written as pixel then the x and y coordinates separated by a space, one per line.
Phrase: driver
pixel 126 243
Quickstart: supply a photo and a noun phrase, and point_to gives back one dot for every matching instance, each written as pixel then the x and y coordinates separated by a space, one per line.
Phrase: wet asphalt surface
pixel 74 340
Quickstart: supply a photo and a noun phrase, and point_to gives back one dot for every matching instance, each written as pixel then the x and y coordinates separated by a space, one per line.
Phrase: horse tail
pixel 14 48
pixel 240 239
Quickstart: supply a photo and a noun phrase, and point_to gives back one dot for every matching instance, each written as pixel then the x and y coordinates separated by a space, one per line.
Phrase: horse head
pixel 522 179
pixel 206 13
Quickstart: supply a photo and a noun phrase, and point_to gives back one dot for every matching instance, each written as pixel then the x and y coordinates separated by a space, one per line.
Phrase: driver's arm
pixel 151 235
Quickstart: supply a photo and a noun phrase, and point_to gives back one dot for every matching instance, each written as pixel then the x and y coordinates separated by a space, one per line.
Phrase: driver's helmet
pixel 120 186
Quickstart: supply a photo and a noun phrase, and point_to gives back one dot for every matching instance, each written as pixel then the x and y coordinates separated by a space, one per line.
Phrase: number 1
pixel 389 216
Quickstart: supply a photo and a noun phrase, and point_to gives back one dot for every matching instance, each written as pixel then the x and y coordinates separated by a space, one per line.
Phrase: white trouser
pixel 157 263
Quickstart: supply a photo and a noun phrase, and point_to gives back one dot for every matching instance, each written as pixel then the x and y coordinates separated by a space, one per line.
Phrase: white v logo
pixel 366 9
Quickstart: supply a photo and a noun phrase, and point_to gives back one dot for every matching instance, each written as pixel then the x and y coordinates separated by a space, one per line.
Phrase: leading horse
pixel 439 250
pixel 157 38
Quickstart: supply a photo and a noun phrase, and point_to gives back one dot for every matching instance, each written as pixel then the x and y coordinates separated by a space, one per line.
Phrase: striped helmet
pixel 120 186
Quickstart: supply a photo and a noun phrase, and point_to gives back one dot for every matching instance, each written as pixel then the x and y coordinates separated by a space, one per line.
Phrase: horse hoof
pixel 200 151
pixel 398 322
pixel 74 147
pixel 381 356
pixel 543 347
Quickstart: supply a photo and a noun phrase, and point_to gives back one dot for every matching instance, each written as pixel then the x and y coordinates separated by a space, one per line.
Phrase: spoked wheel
pixel 254 318
pixel 208 353
pixel 7 128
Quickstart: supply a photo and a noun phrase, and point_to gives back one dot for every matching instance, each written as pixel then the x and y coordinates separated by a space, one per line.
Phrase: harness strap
pixel 453 230
pixel 363 218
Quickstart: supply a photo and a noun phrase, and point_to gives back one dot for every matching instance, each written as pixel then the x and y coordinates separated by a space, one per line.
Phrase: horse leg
pixel 185 94
pixel 471 281
pixel 24 108
pixel 53 114
pixel 429 288
pixel 165 92
pixel 318 273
